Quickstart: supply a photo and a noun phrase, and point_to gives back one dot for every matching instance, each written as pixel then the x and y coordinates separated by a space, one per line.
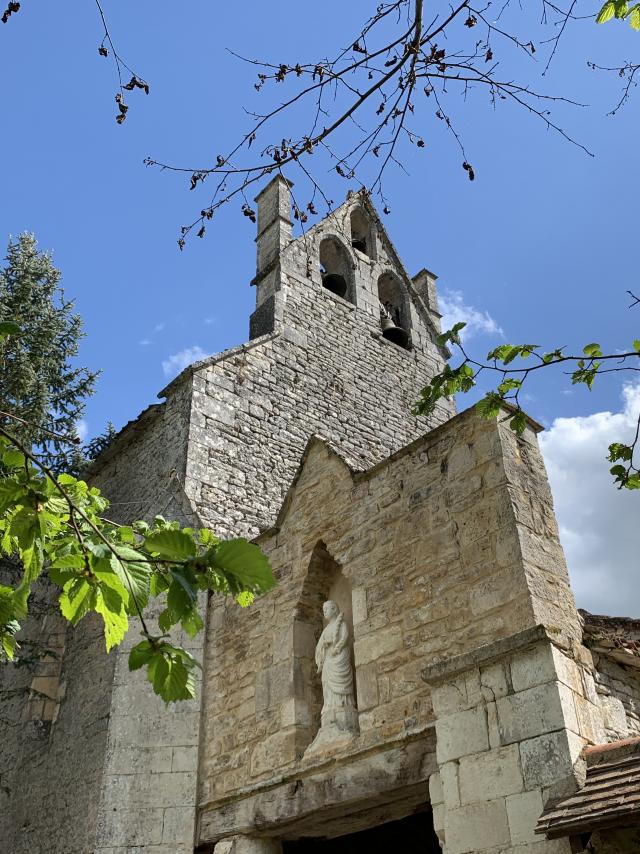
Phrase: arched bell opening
pixel 336 269
pixel 361 235
pixel 324 581
pixel 394 311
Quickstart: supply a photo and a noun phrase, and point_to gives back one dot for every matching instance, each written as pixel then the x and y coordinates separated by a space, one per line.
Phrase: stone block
pixel 614 715
pixel 367 686
pixel 490 775
pixel 450 778
pixel 184 758
pixel 461 734
pixel 436 794
pixel 450 697
pixel 359 600
pixel 546 760
pixel 530 713
pixel 523 811
pixel 179 825
pixel 485 824
pixel 272 752
pixel 533 667
pixel 493 681
pixel 377 644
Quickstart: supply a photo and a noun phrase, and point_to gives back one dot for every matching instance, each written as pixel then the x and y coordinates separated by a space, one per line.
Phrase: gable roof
pixel 363 198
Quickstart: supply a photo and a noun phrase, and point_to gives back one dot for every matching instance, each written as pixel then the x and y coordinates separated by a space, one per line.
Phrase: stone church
pixel 420 677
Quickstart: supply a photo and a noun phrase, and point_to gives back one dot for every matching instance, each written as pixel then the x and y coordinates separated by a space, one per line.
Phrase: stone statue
pixel 333 658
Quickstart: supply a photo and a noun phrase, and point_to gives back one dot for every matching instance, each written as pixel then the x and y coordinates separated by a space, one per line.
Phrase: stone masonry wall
pixel 51 760
pixel 147 793
pixel 255 409
pixel 431 544
pixel 619 691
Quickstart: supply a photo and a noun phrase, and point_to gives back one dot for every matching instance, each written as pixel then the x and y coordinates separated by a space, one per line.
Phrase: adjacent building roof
pixel 616 637
pixel 610 796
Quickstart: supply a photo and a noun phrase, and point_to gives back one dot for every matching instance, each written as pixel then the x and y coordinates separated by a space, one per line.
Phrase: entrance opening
pixel 411 835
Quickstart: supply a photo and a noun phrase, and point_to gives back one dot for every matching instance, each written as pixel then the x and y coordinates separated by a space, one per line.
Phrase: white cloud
pixel 455 310
pixel 599 524
pixel 179 361
pixel 209 320
pixel 159 327
pixel 145 342
pixel 82 429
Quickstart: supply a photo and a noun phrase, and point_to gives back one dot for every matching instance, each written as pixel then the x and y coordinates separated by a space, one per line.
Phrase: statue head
pixel 330 610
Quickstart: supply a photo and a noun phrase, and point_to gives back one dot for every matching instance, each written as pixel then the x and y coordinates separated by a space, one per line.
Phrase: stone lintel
pixel 331 799
pixel 447 668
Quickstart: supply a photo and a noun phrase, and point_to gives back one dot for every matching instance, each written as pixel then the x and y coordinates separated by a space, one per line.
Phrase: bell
pixel 335 283
pixel 359 244
pixel 393 333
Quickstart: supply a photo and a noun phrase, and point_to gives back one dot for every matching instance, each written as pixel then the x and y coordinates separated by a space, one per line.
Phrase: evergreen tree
pixel 38 382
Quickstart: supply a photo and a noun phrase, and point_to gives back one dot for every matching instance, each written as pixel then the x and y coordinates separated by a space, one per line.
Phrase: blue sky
pixel 540 245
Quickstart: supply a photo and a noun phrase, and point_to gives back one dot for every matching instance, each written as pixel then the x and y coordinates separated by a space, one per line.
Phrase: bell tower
pixel 347 258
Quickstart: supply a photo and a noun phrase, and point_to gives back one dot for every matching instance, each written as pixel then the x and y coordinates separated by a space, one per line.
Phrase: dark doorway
pixel 412 835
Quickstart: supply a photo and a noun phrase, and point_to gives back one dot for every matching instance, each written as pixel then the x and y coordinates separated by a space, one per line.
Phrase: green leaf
pixel 76 599
pixel 621 8
pixel 247 563
pixel 171 672
pixel 193 623
pixel 606 13
pixel 10 494
pixel 245 598
pixel 619 451
pixel 13 459
pixel 180 599
pixel 6 604
pixel 592 350
pixel 633 481
pixel 171 545
pixel 452 334
pixel 508 385
pixel 489 406
pixel 157 671
pixel 111 607
pixel 8 645
pixel 141 654
pixel 634 17
pixel 134 574
pixel 636 345
pixel 518 423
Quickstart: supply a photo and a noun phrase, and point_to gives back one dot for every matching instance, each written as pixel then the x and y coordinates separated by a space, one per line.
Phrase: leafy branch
pixel 511 363
pixel 55 524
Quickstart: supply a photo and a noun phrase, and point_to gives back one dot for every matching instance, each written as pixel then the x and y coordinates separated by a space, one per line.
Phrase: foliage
pixel 514 364
pixel 55 524
pixel 38 383
pixel 622 10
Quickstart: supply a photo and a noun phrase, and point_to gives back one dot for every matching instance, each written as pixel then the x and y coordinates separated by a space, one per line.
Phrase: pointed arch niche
pixel 324 580
pixel 362 234
pixel 395 315
pixel 336 268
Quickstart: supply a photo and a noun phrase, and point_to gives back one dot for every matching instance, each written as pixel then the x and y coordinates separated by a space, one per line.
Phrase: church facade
pixel 420 675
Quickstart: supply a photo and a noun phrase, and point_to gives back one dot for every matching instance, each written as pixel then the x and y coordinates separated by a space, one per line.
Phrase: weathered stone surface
pixel 395 778
pixel 469 826
pixel 491 775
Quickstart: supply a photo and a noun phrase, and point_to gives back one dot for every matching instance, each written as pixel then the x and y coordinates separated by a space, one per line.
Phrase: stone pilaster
pixel 512 719
pixel 274 235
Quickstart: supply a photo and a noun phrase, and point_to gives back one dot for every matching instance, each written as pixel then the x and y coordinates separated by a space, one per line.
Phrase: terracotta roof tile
pixel 610 796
